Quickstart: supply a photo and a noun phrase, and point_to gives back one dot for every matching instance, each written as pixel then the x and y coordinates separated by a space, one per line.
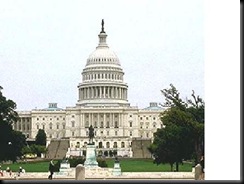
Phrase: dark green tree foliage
pixel 11 142
pixel 41 138
pixel 183 134
pixel 8 114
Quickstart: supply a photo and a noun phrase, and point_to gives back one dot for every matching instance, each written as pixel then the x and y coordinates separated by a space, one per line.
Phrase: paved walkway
pixel 102 174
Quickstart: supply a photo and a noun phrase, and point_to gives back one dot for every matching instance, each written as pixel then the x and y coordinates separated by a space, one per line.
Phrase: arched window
pixel 122 144
pixel 77 145
pixel 107 145
pixel 115 145
pixel 100 145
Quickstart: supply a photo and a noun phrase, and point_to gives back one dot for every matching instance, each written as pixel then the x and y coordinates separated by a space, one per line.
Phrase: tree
pixel 38 149
pixel 18 141
pixel 41 138
pixel 184 129
pixel 11 142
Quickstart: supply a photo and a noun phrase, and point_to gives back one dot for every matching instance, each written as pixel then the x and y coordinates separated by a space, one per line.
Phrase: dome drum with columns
pixel 102 78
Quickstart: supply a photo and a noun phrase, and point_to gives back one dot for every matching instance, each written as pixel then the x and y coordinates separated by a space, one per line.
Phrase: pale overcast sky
pixel 44 46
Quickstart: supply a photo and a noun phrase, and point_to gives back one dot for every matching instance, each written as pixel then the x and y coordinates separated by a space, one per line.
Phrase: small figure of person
pixel 51 170
pixel 20 170
pixel 202 164
pixel 1 171
pixel 9 171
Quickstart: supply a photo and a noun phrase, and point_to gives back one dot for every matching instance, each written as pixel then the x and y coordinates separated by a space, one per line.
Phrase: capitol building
pixel 102 102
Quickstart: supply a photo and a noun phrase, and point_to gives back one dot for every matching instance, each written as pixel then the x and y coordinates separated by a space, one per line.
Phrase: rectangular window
pixel 116 124
pixel 63 126
pixel 57 126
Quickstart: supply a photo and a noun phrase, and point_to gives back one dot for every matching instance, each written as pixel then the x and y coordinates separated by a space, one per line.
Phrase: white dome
pixel 103 55
pixel 102 78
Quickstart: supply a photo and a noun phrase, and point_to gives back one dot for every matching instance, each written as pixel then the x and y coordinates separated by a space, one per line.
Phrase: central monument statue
pixel 91 160
pixel 91 135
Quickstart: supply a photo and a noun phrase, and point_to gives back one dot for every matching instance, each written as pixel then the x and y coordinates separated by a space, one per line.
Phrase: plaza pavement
pixel 102 174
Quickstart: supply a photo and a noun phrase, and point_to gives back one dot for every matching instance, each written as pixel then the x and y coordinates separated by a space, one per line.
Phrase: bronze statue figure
pixel 91 134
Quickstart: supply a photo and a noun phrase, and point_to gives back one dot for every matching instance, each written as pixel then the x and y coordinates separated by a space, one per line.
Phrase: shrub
pixel 74 161
pixel 102 163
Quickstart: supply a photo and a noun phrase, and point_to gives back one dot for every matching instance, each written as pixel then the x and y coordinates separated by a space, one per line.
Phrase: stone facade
pixel 102 102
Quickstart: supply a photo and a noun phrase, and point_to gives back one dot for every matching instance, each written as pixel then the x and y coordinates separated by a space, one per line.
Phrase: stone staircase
pixel 57 149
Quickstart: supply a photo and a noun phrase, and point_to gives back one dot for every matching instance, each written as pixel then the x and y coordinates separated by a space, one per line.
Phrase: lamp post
pixel 9 153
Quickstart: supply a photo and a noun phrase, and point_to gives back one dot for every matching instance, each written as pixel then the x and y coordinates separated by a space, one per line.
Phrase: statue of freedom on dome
pixel 102 26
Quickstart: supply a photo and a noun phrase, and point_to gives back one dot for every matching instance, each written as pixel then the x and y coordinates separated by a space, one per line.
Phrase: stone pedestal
pixel 80 172
pixel 198 172
pixel 91 160
pixel 64 167
pixel 117 169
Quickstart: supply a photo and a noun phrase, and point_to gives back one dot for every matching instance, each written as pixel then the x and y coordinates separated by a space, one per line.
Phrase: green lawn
pixel 146 165
pixel 126 164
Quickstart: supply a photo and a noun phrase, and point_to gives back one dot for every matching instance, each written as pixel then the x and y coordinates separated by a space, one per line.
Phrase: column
pixel 104 92
pixel 112 119
pixel 104 121
pixel 100 93
pixel 109 92
pixel 95 92
pixel 120 93
pixel 92 122
pixel 88 92
pixel 112 92
pixel 98 120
